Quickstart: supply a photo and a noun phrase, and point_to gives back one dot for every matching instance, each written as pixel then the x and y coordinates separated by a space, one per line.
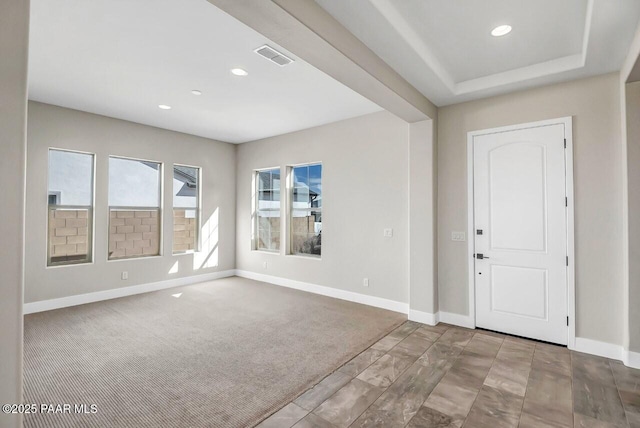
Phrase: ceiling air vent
pixel 273 55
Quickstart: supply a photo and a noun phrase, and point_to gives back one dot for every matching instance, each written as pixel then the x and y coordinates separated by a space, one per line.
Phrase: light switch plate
pixel 457 236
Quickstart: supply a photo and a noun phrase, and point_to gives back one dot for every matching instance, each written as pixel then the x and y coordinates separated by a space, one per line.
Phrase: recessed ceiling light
pixel 196 92
pixel 164 107
pixel 501 30
pixel 239 71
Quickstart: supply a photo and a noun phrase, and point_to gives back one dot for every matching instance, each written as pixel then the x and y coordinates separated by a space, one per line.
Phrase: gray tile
pixel 504 377
pixel 552 358
pixel 582 421
pixel 323 390
pixel 386 370
pixel 549 397
pixel 430 418
pixel 630 401
pixel 627 379
pixel 494 409
pixel 412 346
pixel 528 420
pixel 456 336
pixel 633 419
pixel 386 343
pixel 346 405
pixel 592 369
pixel 313 421
pixel 598 401
pixel 398 404
pixel 470 369
pixel 440 351
pixel 428 333
pixel 285 417
pixel 484 345
pixel 516 353
pixel 453 400
pixel 357 365
pixel 404 330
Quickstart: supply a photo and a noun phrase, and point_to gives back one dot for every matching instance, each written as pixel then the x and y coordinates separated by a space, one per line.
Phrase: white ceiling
pixel 122 58
pixel 445 49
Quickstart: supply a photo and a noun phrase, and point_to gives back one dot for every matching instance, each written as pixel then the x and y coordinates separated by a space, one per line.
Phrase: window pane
pixel 134 233
pixel 185 230
pixel 315 185
pixel 70 178
pixel 185 186
pixel 268 230
pixel 185 220
pixel 69 236
pixel 306 232
pixel 133 183
pixel 267 225
pixel 70 200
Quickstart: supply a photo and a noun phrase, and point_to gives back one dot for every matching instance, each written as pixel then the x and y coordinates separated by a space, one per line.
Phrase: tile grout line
pixel 485 378
pixel 615 380
pixel 411 365
pixel 355 377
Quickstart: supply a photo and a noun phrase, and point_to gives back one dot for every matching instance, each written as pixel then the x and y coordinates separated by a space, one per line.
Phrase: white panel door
pixel 520 232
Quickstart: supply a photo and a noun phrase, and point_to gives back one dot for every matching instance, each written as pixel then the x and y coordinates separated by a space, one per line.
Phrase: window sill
pixel 273 253
pixel 301 256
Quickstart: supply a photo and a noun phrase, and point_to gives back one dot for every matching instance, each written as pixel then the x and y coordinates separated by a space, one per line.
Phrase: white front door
pixel 520 232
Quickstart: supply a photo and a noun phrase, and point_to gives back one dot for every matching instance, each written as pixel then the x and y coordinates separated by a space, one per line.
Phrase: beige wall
pixel 633 171
pixel 594 104
pixel 422 219
pixel 51 126
pixel 365 189
pixel 14 35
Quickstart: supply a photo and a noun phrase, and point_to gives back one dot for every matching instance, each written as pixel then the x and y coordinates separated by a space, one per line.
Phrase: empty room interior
pixel 320 213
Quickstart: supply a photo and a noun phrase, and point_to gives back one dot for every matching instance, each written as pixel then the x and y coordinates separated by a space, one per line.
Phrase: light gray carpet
pixel 226 353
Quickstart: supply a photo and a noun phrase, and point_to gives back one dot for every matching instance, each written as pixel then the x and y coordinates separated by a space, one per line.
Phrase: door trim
pixel 568 160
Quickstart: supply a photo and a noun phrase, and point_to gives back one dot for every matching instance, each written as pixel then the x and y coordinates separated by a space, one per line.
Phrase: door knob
pixel 481 256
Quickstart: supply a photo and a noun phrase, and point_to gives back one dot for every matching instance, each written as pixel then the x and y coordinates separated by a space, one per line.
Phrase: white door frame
pixel 571 286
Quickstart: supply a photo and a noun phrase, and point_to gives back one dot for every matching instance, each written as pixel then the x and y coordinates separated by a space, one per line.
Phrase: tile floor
pixel 445 376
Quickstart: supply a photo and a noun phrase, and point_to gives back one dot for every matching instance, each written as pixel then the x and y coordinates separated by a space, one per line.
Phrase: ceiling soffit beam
pixel 306 30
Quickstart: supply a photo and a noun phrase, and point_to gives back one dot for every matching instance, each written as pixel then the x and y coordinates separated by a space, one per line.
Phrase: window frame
pixel 159 208
pixel 90 212
pixel 198 209
pixel 255 210
pixel 290 200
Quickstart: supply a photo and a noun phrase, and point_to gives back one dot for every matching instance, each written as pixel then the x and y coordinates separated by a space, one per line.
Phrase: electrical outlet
pixel 264 265
pixel 125 275
pixel 388 233
pixel 457 236
pixel 365 282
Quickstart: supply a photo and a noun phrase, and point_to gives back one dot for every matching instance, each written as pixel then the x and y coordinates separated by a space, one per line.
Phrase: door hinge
pixel 567 321
pixel 566 201
pixel 565 143
pixel 567 260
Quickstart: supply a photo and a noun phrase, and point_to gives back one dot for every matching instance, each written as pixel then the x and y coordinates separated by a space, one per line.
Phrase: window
pixel 305 222
pixel 267 215
pixel 70 200
pixel 186 200
pixel 134 208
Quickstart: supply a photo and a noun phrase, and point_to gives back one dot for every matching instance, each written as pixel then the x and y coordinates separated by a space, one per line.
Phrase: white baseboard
pixel 423 317
pixel 631 359
pixel 350 296
pixel 456 319
pixel 608 350
pixel 601 349
pixel 81 299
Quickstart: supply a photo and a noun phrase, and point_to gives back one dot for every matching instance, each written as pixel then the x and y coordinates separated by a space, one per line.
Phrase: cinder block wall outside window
pixel 134 233
pixel 68 234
